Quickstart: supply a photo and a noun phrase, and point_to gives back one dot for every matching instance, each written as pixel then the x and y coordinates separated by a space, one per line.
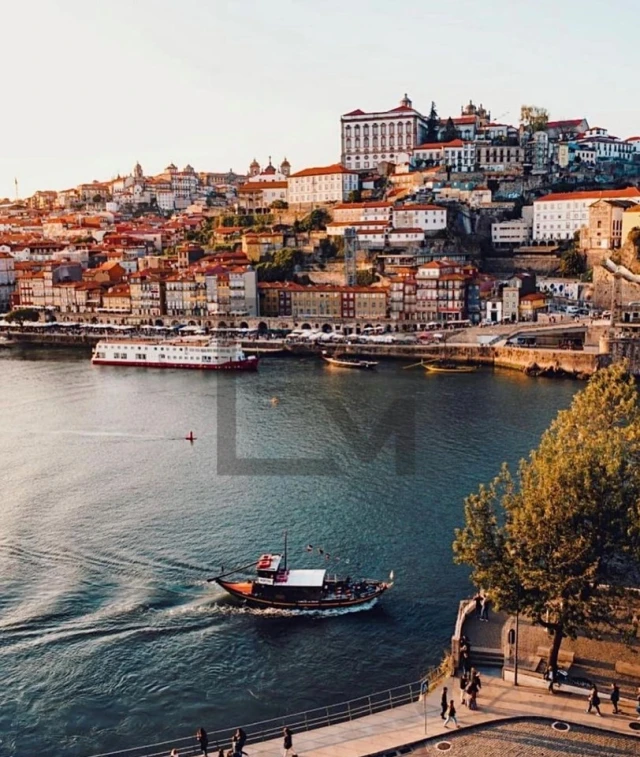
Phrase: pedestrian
pixel 287 744
pixel 238 741
pixel 594 701
pixel 443 703
pixel 615 697
pixel 451 715
pixel 472 693
pixel 478 600
pixel 484 612
pixel 464 682
pixel 203 740
pixel 466 662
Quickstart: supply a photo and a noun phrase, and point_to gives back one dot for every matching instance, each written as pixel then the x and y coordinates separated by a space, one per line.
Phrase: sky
pixel 88 89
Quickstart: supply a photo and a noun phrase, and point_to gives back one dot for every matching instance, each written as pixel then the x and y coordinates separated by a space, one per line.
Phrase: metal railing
pixel 299 722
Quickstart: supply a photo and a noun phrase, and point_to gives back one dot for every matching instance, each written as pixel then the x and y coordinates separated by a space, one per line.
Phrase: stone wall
pixel 542 264
pixel 603 289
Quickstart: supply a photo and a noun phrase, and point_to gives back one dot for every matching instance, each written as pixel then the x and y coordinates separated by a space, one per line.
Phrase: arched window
pixel 391 129
pixel 383 128
pixel 365 130
pixel 357 130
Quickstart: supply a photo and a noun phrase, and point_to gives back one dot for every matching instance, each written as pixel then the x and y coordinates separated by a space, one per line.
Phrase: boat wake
pixel 273 612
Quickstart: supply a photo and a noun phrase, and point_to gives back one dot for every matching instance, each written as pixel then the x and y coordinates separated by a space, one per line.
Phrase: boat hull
pixel 364 365
pixel 242 591
pixel 440 369
pixel 232 365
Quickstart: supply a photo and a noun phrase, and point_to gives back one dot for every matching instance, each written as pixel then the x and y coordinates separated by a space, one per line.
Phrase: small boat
pixel 345 362
pixel 276 586
pixel 443 366
pixel 6 342
pixel 256 350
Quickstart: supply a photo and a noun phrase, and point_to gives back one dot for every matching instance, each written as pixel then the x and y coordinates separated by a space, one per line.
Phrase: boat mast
pixel 285 550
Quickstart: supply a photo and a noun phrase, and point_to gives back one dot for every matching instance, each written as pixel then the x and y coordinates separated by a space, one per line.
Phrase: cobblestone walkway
pixel 534 739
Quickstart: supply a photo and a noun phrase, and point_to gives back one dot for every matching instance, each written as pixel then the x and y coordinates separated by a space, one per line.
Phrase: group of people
pixel 482 607
pixel 593 702
pixel 238 741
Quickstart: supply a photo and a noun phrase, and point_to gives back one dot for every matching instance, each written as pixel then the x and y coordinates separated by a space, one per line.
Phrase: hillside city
pixel 421 221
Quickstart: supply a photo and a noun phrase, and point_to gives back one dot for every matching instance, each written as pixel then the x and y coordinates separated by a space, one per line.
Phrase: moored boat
pixel 448 367
pixel 276 586
pixel 5 341
pixel 345 362
pixel 213 354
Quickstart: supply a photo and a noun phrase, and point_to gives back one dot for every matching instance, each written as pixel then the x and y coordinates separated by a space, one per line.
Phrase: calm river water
pixel 110 524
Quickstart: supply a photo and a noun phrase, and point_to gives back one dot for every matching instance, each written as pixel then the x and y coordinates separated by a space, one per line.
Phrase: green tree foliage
pixel 281 266
pixel 557 542
pixel 365 278
pixel 450 132
pixel 534 118
pixel 21 315
pixel 317 220
pixel 572 262
pixel 355 195
pixel 433 124
pixel 279 205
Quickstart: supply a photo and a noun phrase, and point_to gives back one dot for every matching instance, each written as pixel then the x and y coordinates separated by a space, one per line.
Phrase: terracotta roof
pixel 258 186
pixel 419 207
pixel 336 168
pixel 406 231
pixel 604 194
pixel 356 205
pixel 356 112
pixel 569 122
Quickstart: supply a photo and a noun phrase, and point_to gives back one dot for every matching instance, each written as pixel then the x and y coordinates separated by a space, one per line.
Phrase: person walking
pixel 451 715
pixel 465 661
pixel 615 697
pixel 203 740
pixel 238 741
pixel 287 743
pixel 478 600
pixel 444 703
pixel 464 682
pixel 594 701
pixel 484 612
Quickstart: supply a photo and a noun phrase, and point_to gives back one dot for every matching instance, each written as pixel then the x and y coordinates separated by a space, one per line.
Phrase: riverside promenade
pixel 389 731
pixel 511 721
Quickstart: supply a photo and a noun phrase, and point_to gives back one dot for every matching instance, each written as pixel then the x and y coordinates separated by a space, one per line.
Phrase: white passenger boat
pixel 213 354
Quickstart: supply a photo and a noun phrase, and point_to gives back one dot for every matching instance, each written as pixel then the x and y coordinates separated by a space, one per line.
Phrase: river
pixel 110 524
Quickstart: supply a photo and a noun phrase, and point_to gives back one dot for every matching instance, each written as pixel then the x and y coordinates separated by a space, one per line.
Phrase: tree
pixel 534 118
pixel 317 220
pixel 22 314
pixel 354 195
pixel 450 132
pixel 279 205
pixel 97 199
pixel 557 543
pixel 433 124
pixel 572 262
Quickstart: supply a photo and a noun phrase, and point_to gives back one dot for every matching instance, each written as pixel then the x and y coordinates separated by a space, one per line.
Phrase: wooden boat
pixel 256 350
pixel 345 362
pixel 441 366
pixel 276 586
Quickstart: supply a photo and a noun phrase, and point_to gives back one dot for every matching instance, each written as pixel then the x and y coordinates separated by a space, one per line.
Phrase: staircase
pixel 483 657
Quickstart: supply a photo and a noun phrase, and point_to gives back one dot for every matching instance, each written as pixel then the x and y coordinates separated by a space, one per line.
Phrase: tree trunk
pixel 558 635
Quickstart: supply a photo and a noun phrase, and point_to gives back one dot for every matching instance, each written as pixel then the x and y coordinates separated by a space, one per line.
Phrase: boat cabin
pixel 275 581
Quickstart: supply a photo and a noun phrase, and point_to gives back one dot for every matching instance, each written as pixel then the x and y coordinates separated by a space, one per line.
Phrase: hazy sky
pixel 88 88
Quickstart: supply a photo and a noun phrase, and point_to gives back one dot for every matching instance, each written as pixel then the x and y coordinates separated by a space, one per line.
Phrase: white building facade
pixel 425 217
pixel 316 186
pixel 559 216
pixel 369 138
pixel 7 281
